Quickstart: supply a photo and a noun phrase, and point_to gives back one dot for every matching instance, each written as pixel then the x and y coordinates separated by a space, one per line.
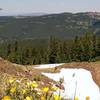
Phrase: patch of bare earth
pixel 24 71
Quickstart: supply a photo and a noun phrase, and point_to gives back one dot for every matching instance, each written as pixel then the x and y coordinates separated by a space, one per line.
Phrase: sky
pixel 48 6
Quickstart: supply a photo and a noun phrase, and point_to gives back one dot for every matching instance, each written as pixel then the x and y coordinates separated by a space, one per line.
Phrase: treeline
pixel 86 48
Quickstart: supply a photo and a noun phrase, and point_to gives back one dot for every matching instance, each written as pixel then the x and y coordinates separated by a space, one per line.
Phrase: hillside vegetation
pixel 53 50
pixel 25 41
pixel 18 82
pixel 64 25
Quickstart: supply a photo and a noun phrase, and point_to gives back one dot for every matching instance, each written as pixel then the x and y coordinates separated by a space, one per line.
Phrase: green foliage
pixel 65 25
pixel 54 50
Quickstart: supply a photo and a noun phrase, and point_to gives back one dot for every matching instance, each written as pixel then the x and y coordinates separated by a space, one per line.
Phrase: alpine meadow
pixel 49 50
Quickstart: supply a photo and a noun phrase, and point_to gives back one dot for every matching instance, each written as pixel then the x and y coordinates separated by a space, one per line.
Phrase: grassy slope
pixel 29 72
pixel 20 71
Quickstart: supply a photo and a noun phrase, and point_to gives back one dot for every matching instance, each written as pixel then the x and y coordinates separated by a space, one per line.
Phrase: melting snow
pixel 79 80
pixel 47 66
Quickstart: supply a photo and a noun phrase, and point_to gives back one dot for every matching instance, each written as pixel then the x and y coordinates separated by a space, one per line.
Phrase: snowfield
pixel 47 66
pixel 77 82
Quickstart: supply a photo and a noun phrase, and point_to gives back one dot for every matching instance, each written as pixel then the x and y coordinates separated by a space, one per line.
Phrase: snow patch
pixel 77 82
pixel 47 66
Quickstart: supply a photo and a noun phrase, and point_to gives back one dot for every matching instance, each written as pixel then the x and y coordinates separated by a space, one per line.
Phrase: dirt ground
pixel 25 71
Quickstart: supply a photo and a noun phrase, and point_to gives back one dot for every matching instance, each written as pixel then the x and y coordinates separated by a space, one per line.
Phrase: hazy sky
pixel 48 6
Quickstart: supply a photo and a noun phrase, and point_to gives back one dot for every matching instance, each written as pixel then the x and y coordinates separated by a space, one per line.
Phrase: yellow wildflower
pixel 56 97
pixel 34 84
pixel 54 88
pixel 6 98
pixel 23 91
pixel 45 89
pixel 87 98
pixel 13 90
pixel 39 93
pixel 11 81
pixel 33 81
pixel 42 98
pixel 76 98
pixel 29 83
pixel 28 98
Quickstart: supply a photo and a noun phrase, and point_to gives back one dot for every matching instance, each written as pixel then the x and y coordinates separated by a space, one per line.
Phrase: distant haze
pixel 1 9
pixel 47 6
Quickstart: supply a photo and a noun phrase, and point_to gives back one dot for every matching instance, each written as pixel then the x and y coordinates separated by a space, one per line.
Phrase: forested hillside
pixel 53 50
pixel 64 25
pixel 53 38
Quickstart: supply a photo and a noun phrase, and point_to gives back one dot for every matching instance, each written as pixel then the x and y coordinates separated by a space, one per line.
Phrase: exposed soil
pixel 23 71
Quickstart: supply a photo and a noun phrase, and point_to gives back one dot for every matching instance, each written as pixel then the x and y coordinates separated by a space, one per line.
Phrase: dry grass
pixel 15 70
pixel 8 69
pixel 30 72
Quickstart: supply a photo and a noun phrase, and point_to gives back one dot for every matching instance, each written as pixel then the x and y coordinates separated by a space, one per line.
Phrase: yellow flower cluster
pixel 28 90
pixel 6 98
pixel 11 81
pixel 45 89
pixel 13 90
pixel 54 88
pixel 42 98
pixel 76 98
pixel 32 84
pixel 23 91
pixel 28 98
pixel 87 98
pixel 56 97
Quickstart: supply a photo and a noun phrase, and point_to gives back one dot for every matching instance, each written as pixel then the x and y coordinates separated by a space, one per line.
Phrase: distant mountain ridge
pixel 22 14
pixel 64 25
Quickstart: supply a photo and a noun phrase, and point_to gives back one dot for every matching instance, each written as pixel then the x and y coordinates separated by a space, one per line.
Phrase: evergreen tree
pixel 54 50
pixel 8 49
pixel 15 46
